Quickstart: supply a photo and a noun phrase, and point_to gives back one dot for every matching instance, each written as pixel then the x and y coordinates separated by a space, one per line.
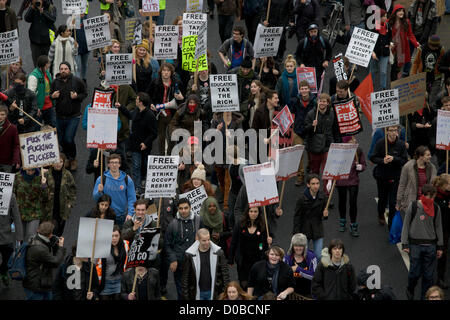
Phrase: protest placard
pixel 6 189
pixel 102 128
pixel 192 23
pixel 443 130
pixel 287 161
pixel 411 91
pixel 194 5
pixel 73 6
pixel 150 7
pixel 385 111
pixel 119 68
pixel 196 198
pixel 144 248
pixel 201 44
pixel 308 74
pixel 361 45
pixel 87 231
pixel 339 69
pixel 39 149
pixel 133 31
pixel 9 47
pixel 261 185
pixel 102 98
pixel 74 22
pixel 97 32
pixel 191 26
pixel 162 175
pixel 347 117
pixel 224 92
pixel 339 161
pixel 283 120
pixel 267 41
pixel 284 140
pixel 166 42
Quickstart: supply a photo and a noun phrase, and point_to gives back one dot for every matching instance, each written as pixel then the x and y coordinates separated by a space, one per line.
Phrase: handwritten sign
pixel 443 130
pixel 261 185
pixel 196 198
pixel 6 189
pixel 283 120
pixel 267 41
pixel 411 91
pixel 119 68
pixel 347 117
pixel 9 47
pixel 39 149
pixel 339 161
pixel 73 6
pixel 224 92
pixel 166 42
pixel 385 111
pixel 161 176
pixel 102 128
pixel 97 32
pixel 150 7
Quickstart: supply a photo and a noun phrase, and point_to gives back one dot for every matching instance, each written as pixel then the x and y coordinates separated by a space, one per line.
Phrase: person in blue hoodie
pixel 119 186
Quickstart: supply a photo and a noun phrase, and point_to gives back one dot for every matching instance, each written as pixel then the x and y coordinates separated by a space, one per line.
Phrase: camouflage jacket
pixel 67 194
pixel 29 197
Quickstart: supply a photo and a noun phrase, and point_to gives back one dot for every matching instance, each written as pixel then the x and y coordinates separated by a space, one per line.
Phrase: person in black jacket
pixel 363 292
pixel 42 16
pixel 147 284
pixel 387 171
pixel 26 100
pixel 143 134
pixel 306 12
pixel 271 275
pixel 335 277
pixel 67 92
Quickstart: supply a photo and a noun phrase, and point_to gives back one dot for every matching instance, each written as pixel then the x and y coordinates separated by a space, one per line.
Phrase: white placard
pixel 97 32
pixel 443 130
pixel 103 237
pixel 385 110
pixel 119 68
pixel 339 69
pixel 39 149
pixel 261 185
pixel 150 6
pixel 192 23
pixel 102 128
pixel 166 42
pixel 194 5
pixel 339 161
pixel 6 189
pixel 196 198
pixel 224 92
pixel 267 41
pixel 73 6
pixel 360 48
pixel 162 175
pixel 201 45
pixel 288 160
pixel 9 47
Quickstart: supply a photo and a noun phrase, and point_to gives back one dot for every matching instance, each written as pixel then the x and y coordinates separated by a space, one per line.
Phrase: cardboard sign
pixel 339 161
pixel 224 92
pixel 97 32
pixel 73 6
pixel 196 198
pixel 347 117
pixel 443 130
pixel 144 249
pixel 102 98
pixel 9 47
pixel 133 31
pixel 39 149
pixel 150 7
pixel 201 44
pixel 360 48
pixel 166 42
pixel 162 175
pixel 119 68
pixel 411 91
pixel 308 74
pixel 267 41
pixel 261 185
pixel 283 120
pixel 339 69
pixel 102 128
pixel 385 111
pixel 6 190
pixel 103 237
pixel 288 160
pixel 194 5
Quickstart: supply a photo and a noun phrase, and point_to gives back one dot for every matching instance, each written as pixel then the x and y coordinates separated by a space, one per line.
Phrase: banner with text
pixel 443 130
pixel 196 198
pixel 288 161
pixel 202 41
pixel 6 190
pixel 267 41
pixel 102 128
pixel 150 7
pixel 119 68
pixel 144 248
pixel 102 98
pixel 224 92
pixel 385 111
pixel 261 185
pixel 133 31
pixel 347 117
pixel 360 47
pixel 308 74
pixel 192 23
pixel 166 42
pixel 411 91
pixel 39 149
pixel 339 161
pixel 283 120
pixel 73 6
pixel 194 5
pixel 9 47
pixel 162 175
pixel 339 69
pixel 97 32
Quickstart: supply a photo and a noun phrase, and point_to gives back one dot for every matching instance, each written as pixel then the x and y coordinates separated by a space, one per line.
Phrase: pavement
pixel 372 247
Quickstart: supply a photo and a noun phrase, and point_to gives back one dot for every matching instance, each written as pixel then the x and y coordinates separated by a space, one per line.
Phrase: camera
pixel 139 219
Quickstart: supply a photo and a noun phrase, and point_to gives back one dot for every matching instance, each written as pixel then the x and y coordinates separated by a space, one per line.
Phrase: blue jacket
pixel 123 196
pixel 84 122
pixel 311 261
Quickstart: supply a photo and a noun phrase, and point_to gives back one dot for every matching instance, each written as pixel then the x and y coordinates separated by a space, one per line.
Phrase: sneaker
pixel 342 223
pixel 73 165
pixel 354 230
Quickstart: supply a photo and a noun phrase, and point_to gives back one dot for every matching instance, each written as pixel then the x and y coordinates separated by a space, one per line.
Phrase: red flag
pixel 363 93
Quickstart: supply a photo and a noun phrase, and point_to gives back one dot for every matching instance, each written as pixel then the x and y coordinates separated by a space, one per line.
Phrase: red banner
pixel 363 92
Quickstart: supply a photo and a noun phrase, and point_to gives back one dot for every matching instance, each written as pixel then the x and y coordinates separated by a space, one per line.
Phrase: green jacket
pixel 40 90
pixel 29 197
pixel 67 194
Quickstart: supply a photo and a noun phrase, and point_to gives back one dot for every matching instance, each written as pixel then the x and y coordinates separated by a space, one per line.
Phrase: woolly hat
pixel 199 173
pixel 299 239
pixel 247 63
pixel 144 45
pixel 434 40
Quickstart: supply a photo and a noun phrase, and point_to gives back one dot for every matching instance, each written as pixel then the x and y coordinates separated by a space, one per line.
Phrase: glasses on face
pixel 114 162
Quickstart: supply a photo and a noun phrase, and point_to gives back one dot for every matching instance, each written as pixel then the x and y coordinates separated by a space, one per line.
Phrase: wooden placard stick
pixel 159 212
pixel 261 68
pixel 282 194
pixel 317 115
pixel 268 10
pixel 92 256
pixel 331 194
pixel 265 219
pixel 15 106
pixel 133 290
pixel 385 141
pixel 101 167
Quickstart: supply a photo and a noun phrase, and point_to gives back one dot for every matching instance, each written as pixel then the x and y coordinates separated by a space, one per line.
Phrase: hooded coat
pixel 309 213
pixel 405 36
pixel 184 118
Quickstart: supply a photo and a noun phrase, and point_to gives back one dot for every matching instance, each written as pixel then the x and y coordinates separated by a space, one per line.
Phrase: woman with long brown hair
pixel 233 291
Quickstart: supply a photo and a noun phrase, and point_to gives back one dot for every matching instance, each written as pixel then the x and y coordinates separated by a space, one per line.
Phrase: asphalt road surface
pixel 371 248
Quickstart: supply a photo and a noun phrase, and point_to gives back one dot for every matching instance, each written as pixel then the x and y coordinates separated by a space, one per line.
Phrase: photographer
pixel 139 221
pixel 42 16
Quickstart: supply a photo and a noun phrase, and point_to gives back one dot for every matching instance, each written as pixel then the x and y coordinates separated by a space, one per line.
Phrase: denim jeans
pixel 380 66
pixel 447 6
pixel 225 26
pixel 49 117
pixel 138 161
pixel 205 295
pixel 177 277
pixel 82 63
pixel 423 263
pixel 31 295
pixel 318 245
pixel 67 129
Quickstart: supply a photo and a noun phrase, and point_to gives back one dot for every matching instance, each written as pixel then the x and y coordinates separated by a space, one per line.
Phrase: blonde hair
pixel 113 41
pixel 441 181
pixel 290 58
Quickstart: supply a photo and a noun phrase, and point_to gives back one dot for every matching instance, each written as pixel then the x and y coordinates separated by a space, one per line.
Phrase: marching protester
pixel 102 209
pixel 11 72
pixel 63 48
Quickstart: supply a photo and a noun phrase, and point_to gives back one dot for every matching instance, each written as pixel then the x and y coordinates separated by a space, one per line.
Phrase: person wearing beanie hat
pixel 199 174
pixel 303 263
pixel 235 50
pixel 146 67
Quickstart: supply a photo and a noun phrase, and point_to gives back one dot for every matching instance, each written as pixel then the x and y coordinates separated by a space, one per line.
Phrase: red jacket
pixel 9 144
pixel 404 36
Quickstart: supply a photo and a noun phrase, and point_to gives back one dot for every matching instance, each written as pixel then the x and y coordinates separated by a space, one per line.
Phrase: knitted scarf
pixel 213 221
pixel 428 205
pixel 287 93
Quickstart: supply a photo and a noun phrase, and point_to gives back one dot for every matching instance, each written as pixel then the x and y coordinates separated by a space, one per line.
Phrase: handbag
pixel 395 234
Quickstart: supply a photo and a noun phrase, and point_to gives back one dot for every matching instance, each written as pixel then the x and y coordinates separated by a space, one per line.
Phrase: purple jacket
pixel 353 179
pixel 311 261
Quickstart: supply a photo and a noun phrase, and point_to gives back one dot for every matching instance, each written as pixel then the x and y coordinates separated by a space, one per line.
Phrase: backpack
pixel 16 264
pixel 322 42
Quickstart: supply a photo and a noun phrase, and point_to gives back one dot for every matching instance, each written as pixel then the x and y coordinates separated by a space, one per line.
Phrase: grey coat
pixel 6 236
